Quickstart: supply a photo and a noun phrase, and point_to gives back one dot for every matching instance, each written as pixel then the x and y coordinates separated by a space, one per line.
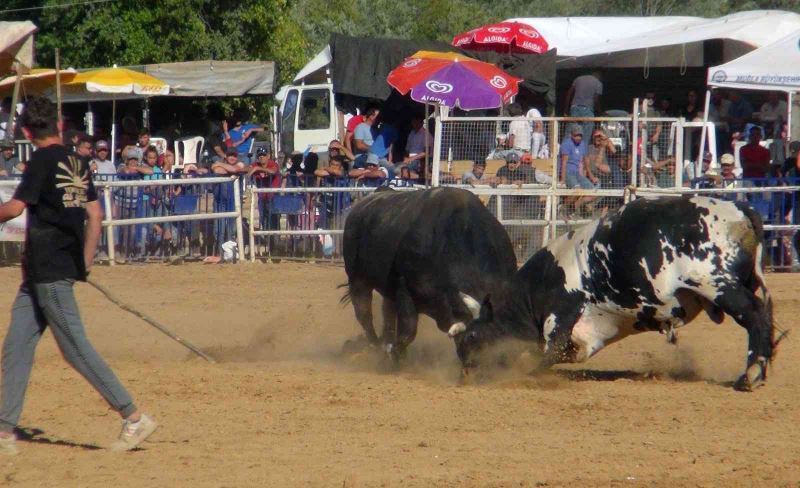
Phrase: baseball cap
pixel 262 151
pixel 101 145
pixel 131 155
pixel 512 157
pixel 576 129
pixel 372 159
pixel 6 143
pixel 727 159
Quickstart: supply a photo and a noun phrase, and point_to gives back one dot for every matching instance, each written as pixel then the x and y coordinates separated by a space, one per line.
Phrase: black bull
pixel 653 265
pixel 422 251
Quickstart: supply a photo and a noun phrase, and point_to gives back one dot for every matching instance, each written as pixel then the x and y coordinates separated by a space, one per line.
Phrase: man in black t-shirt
pixel 63 227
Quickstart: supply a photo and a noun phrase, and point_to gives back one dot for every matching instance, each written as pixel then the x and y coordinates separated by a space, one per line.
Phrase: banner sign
pixel 13 230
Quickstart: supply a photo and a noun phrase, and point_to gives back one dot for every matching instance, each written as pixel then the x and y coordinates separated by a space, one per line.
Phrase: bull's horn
pixel 473 305
pixel 457 328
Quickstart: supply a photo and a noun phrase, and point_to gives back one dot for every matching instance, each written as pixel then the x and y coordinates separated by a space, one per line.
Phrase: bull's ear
pixel 487 312
pixel 473 305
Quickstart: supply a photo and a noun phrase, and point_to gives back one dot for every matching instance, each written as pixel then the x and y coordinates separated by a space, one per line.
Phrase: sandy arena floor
pixel 283 408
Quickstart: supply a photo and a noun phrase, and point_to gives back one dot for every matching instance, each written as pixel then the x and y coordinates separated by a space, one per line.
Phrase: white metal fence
pixel 140 204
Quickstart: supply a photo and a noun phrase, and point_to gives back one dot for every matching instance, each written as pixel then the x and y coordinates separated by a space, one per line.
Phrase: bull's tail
pixel 346 297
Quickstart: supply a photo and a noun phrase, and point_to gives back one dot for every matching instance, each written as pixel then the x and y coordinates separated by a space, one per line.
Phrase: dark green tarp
pixel 360 65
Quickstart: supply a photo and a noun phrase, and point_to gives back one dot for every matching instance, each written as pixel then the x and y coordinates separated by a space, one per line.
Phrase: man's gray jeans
pixel 37 306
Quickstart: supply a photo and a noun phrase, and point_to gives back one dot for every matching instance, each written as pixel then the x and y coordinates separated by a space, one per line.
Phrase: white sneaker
pixel 8 445
pixel 134 433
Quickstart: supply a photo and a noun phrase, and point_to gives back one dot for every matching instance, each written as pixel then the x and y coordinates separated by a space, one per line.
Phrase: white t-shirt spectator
pixel 586 87
pixel 416 142
pixel 521 130
pixel 105 167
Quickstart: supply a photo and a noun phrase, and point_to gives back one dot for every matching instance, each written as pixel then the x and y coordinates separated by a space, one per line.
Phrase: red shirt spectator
pixel 265 173
pixel 755 159
pixel 351 128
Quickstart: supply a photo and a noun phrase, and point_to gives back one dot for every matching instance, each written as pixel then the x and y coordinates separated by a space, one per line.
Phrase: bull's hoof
pixel 752 378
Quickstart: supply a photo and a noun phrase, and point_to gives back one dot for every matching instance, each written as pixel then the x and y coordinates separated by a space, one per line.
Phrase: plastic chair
pixel 188 150
pixel 185 204
pixel 160 144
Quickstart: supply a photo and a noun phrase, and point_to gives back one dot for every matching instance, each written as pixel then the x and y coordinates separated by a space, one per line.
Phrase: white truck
pixel 308 118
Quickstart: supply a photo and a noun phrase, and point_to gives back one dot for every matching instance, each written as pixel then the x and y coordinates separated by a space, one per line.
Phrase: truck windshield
pixel 315 111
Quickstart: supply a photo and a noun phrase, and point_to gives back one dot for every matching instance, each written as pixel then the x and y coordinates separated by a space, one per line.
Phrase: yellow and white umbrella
pixel 114 83
pixel 36 82
pixel 117 81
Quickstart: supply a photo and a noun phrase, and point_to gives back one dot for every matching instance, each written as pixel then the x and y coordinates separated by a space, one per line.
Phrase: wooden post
pixel 58 92
pixel 14 99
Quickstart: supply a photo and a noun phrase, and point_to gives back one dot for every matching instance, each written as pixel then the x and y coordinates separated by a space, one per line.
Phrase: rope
pixel 646 72
pixel 150 321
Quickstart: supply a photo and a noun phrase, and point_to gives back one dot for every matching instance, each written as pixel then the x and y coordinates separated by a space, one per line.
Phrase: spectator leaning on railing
pixel 231 165
pixel 101 164
pixel 10 165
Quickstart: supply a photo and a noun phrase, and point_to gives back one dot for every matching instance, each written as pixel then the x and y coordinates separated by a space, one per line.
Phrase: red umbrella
pixel 503 37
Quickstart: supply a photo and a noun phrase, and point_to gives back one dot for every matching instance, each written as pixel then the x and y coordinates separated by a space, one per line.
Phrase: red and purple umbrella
pixel 503 37
pixel 454 80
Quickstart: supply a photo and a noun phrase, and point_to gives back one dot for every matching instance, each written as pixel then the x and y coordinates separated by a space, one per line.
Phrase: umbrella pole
pixel 427 150
pixel 113 129
pixel 58 93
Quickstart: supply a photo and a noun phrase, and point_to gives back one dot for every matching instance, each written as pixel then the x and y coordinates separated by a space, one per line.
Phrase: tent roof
pixel 571 35
pixel 772 67
pixel 216 78
pixel 361 65
pixel 16 43
pixel 602 41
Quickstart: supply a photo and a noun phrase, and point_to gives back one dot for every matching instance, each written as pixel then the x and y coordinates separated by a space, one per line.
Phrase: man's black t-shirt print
pixel 55 187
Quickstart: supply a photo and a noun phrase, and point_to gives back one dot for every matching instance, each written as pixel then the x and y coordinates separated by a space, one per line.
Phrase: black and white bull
pixel 422 251
pixel 653 265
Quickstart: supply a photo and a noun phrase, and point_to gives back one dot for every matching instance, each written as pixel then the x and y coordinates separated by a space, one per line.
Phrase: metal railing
pixel 137 210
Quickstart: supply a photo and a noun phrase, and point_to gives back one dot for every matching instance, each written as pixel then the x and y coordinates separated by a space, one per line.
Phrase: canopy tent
pixel 360 66
pixel 215 78
pixel 198 79
pixel 772 67
pixel 659 41
pixel 16 45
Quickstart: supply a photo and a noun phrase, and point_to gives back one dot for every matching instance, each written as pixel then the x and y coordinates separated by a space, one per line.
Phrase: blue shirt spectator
pixel 574 148
pixel 383 143
pixel 237 134
pixel 364 133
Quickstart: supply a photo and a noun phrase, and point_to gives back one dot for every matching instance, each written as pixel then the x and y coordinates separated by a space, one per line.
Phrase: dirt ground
pixel 284 408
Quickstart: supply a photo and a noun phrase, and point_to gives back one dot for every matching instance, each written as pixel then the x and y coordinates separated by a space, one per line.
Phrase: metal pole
pixel 679 152
pixel 437 148
pixel 237 202
pixel 698 164
pixel 58 93
pixel 427 144
pixel 109 228
pixel 253 197
pixel 553 215
pixel 789 118
pixel 635 148
pixel 114 132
